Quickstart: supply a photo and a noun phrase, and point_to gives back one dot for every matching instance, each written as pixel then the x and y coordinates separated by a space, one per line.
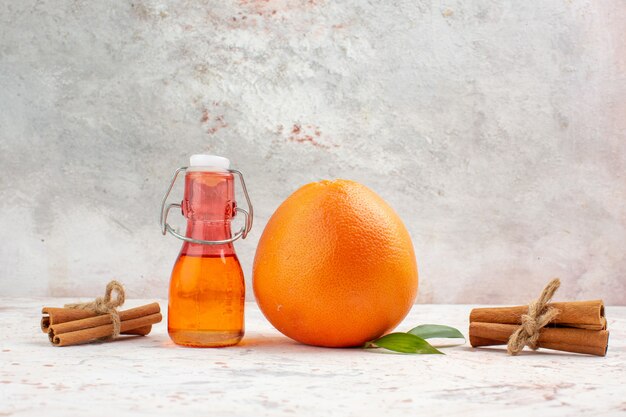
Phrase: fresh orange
pixel 335 266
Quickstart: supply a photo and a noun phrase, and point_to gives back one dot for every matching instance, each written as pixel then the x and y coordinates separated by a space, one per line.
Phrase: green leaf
pixel 429 331
pixel 404 343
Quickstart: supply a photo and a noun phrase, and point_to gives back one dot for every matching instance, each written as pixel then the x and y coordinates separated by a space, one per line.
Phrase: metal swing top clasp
pixel 241 233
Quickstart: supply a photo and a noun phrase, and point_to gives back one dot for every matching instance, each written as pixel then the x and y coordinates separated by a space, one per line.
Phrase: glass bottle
pixel 207 290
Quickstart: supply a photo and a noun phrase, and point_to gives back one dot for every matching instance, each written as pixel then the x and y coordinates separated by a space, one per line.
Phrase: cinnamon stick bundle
pixel 58 315
pixel 67 326
pixel 579 327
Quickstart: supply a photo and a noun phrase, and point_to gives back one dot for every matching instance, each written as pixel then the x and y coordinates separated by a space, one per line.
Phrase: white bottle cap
pixel 208 163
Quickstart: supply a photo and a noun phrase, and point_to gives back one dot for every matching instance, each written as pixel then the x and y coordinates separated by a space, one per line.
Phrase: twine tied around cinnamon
pixel 538 316
pixel 106 305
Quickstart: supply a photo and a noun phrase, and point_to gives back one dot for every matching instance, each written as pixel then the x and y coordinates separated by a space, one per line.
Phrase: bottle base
pixel 205 338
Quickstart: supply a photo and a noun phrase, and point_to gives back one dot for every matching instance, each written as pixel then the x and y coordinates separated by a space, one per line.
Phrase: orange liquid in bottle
pixel 207 290
pixel 206 301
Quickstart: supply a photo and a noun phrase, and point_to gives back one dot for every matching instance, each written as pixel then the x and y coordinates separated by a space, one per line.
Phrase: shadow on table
pixel 256 342
pixel 276 344
pixel 527 352
pixel 267 341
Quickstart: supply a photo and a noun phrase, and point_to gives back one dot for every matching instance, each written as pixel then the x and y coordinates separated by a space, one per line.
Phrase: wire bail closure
pixel 242 233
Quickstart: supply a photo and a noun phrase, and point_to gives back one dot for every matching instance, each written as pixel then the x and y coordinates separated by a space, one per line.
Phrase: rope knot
pixel 538 316
pixel 106 305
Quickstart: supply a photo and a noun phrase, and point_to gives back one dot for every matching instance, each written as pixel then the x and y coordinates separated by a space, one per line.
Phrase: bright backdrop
pixel 497 130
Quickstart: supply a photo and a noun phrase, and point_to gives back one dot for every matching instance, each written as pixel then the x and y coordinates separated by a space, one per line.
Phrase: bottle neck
pixel 208 205
pixel 212 231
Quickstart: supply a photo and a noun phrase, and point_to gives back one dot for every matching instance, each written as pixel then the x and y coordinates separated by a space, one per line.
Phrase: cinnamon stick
pixel 137 321
pixel 83 335
pixel 592 342
pixel 56 315
pixel 578 314
pixel 139 331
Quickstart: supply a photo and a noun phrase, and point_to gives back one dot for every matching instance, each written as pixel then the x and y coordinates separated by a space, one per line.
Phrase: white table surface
pixel 270 375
